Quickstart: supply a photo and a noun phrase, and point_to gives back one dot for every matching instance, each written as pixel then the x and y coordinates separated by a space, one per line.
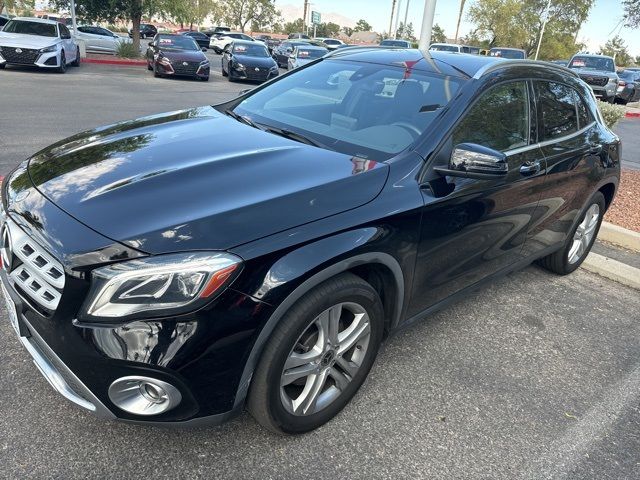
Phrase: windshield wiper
pixel 240 118
pixel 298 137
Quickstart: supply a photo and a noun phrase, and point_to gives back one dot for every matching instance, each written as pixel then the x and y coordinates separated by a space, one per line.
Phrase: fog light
pixel 143 395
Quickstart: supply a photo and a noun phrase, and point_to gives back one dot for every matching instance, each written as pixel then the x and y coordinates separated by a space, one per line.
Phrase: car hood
pixel 26 41
pixel 184 55
pixel 197 179
pixel 586 72
pixel 249 61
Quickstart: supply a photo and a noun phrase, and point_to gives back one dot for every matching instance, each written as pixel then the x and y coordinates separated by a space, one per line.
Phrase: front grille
pixel 189 69
pixel 261 74
pixel 37 274
pixel 26 56
pixel 595 80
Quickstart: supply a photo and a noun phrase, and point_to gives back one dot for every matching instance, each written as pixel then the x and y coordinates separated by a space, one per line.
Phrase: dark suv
pixel 179 267
pixel 146 31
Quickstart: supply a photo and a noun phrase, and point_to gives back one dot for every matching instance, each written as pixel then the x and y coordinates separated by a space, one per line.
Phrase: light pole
pixel 427 24
pixel 395 29
pixel 393 9
pixel 406 14
pixel 544 24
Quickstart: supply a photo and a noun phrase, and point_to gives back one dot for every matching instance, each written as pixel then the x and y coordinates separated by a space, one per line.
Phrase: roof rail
pixel 490 67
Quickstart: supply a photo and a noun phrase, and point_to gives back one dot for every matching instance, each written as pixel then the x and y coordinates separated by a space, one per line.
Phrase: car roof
pixel 37 20
pixel 446 63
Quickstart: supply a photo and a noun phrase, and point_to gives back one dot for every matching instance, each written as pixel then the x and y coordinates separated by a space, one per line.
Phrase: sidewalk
pixel 616 255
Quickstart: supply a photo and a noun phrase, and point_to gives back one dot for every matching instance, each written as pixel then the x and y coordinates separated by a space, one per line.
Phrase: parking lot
pixel 536 376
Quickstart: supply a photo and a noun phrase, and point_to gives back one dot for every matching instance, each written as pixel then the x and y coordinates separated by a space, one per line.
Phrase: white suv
pixel 38 42
pixel 219 42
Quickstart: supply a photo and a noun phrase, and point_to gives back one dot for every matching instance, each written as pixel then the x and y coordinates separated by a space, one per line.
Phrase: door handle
pixel 529 168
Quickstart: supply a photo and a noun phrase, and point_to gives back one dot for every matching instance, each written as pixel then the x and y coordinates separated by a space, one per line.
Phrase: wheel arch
pixel 377 268
pixel 608 190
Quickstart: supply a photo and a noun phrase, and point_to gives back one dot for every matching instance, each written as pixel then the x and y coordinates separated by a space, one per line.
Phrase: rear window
pixel 445 48
pixel 559 109
pixel 31 28
pixel 506 53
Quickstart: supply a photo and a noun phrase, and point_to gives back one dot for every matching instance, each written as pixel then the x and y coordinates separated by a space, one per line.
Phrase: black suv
pixel 146 31
pixel 179 267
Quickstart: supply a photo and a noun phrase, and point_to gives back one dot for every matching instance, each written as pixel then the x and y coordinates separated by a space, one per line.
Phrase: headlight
pixel 163 285
pixel 274 68
pixel 52 48
pixel 204 63
pixel 164 61
pixel 239 66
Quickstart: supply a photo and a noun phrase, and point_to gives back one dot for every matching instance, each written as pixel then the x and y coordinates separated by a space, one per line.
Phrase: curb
pixel 632 114
pixel 619 236
pixel 613 270
pixel 124 63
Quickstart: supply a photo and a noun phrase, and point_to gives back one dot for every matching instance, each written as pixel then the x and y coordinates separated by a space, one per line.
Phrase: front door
pixel 480 226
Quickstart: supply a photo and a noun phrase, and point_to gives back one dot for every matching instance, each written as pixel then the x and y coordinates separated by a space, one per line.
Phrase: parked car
pixel 244 60
pixel 36 42
pixel 99 39
pixel 281 52
pixel 628 87
pixel 389 42
pixel 216 30
pixel 298 35
pixel 177 56
pixel 201 39
pixel 509 53
pixel 304 54
pixel 146 31
pixel 330 43
pixel 219 43
pixel 269 41
pixel 176 268
pixel 599 72
pixel 563 63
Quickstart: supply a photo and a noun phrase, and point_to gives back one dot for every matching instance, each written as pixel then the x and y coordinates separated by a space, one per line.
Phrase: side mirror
pixel 470 160
pixel 204 49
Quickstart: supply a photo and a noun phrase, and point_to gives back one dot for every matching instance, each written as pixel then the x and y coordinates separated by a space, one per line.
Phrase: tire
pixel 76 62
pixel 63 63
pixel 224 74
pixel 353 300
pixel 205 79
pixel 566 260
pixel 611 99
pixel 3 66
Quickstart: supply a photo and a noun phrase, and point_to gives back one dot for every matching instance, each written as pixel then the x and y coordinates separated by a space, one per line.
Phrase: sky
pixel 601 25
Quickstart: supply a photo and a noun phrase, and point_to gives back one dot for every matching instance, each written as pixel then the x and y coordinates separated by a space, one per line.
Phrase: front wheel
pixel 580 240
pixel 63 63
pixel 76 62
pixel 318 356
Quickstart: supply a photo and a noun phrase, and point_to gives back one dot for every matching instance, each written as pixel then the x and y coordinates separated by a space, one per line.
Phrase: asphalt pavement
pixel 535 376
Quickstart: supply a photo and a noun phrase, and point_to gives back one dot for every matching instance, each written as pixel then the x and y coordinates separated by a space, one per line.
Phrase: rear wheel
pixel 580 241
pixel 318 356
pixel 156 73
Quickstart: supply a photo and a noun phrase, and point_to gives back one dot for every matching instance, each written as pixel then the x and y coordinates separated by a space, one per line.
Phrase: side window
pixel 64 31
pixel 558 108
pixel 499 120
pixel 584 117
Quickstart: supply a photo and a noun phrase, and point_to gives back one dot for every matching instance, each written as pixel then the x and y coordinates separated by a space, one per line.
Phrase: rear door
pixel 475 228
pixel 571 144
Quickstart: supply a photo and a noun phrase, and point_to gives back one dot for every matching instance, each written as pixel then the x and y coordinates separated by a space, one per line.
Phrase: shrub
pixel 611 113
pixel 118 28
pixel 127 50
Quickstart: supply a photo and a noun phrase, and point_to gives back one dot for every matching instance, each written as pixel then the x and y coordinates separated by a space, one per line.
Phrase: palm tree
pixel 462 2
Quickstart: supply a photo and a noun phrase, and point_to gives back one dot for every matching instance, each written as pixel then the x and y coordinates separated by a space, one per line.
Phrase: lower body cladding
pixel 29 57
pixel 182 371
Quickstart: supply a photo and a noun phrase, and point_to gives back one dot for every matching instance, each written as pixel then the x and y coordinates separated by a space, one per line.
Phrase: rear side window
pixel 584 117
pixel 558 109
pixel 499 120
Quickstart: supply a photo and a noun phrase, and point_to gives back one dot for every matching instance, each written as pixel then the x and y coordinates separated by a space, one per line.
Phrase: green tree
pixel 616 48
pixel 362 26
pixel 518 23
pixel 406 31
pixel 348 31
pixel 632 13
pixel 438 35
pixel 293 27
pixel 260 13
pixel 17 6
pixel 190 12
pixel 328 29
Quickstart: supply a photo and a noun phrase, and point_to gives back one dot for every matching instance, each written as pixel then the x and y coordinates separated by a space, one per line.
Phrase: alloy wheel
pixel 325 359
pixel 584 234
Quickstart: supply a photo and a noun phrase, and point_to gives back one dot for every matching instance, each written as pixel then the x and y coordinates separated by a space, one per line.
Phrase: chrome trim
pixel 526 148
pixel 41 353
pixel 505 63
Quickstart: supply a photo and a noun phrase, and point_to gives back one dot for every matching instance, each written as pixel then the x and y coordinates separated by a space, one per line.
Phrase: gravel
pixel 625 210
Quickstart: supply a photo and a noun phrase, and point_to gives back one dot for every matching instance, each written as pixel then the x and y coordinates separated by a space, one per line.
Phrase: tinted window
pixel 310 53
pixel 506 53
pixel 177 42
pixel 593 63
pixel 444 48
pixel 64 31
pixel 558 108
pixel 584 117
pixel 394 43
pixel 250 50
pixel 499 120
pixel 31 28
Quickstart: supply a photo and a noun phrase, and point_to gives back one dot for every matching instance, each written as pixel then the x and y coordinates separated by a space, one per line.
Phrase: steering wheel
pixel 408 126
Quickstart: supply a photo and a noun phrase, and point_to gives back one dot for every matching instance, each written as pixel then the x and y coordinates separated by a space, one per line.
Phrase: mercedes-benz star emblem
pixel 18 50
pixel 257 69
pixel 185 64
pixel 5 248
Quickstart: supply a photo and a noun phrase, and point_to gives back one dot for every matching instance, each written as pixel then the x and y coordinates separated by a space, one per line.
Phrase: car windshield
pixel 360 109
pixel 329 41
pixel 506 53
pixel 309 53
pixel 250 50
pixel 593 63
pixel 177 43
pixel 393 43
pixel 31 28
pixel 444 48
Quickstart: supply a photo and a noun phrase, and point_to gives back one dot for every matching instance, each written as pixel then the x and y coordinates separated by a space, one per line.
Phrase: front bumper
pixel 42 60
pixel 179 70
pixel 251 75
